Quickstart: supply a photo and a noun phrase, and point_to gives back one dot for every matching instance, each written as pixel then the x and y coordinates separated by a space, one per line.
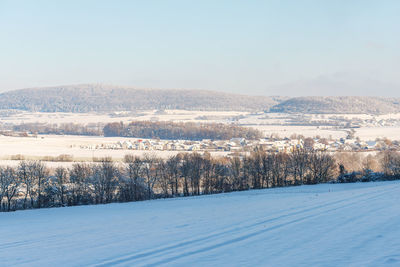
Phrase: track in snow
pixel 326 225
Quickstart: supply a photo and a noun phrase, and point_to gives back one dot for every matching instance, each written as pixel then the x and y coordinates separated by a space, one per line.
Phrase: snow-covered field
pixel 308 131
pixel 321 225
pixel 85 118
pixel 55 145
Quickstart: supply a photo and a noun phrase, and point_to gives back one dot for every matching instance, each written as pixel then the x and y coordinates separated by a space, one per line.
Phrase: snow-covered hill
pixel 321 225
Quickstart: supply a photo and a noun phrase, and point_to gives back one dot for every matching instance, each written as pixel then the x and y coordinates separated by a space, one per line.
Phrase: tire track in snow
pixel 170 249
pixel 258 232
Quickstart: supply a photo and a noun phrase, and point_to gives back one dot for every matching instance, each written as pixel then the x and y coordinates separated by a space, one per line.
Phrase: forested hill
pixel 85 98
pixel 338 105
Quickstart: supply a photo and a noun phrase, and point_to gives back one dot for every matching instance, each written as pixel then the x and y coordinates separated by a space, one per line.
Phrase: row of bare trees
pixel 32 185
pixel 92 129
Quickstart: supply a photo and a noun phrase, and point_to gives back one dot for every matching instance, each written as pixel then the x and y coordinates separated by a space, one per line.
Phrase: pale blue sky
pixel 296 47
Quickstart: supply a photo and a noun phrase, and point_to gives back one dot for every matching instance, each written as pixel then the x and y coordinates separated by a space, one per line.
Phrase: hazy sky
pixel 296 47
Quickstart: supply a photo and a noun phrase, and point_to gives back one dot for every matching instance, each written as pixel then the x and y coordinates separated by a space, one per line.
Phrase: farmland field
pixel 81 147
pixel 77 146
pixel 270 123
pixel 318 225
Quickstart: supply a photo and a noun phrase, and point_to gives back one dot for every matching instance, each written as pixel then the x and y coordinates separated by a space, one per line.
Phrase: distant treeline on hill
pixel 180 130
pixel 103 98
pixel 338 105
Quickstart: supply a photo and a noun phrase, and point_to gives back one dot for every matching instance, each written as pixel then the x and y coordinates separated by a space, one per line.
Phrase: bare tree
pixel 391 164
pixel 79 177
pixel 236 167
pixel 185 172
pixel 322 166
pixel 3 185
pixel 172 166
pixel 150 173
pixel 134 170
pixel 13 183
pixel 299 160
pixel 104 179
pixel 196 162
pixel 25 172
pixel 266 169
pixel 61 175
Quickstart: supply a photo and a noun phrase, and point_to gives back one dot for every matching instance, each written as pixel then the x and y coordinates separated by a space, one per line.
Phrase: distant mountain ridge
pixel 106 98
pixel 338 105
pixel 86 98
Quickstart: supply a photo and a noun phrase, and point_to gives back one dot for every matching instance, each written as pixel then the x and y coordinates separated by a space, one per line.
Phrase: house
pixel 371 144
pixel 241 141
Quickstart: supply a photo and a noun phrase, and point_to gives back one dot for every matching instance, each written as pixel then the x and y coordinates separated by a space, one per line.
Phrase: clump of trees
pixel 32 185
pixel 353 167
pixel 391 164
pixel 180 130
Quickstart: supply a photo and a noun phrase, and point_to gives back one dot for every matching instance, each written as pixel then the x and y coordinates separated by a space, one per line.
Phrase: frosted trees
pixel 25 172
pixel 9 185
pixel 321 166
pixel 39 175
pixel 61 175
pixel 134 171
pixel 32 185
pixel 104 180
pixel 195 174
pixel 3 186
pixel 172 168
pixel 79 177
pixel 391 164
pixel 299 161
pixel 150 173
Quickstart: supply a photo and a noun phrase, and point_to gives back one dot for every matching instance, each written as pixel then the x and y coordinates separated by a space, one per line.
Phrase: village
pixel 269 144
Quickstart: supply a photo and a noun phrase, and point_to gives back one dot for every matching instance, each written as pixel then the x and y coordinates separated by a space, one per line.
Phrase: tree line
pixel 32 184
pixel 145 129
pixel 180 130
pixel 94 129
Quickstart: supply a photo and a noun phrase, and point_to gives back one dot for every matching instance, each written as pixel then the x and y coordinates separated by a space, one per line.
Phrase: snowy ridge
pixel 323 225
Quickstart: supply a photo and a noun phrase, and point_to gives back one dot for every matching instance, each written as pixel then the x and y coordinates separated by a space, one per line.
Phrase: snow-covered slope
pixel 321 225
